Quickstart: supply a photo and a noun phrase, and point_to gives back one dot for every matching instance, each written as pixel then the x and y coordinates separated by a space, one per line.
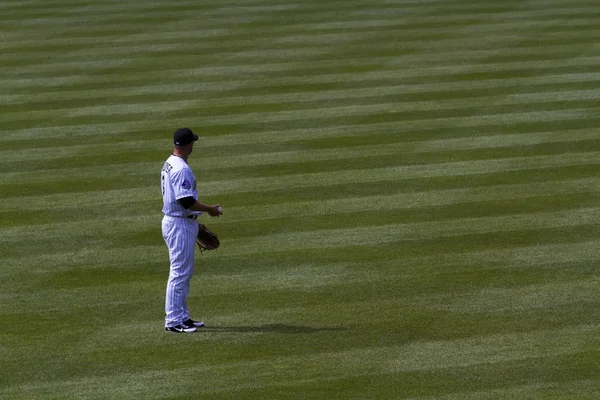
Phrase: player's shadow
pixel 271 328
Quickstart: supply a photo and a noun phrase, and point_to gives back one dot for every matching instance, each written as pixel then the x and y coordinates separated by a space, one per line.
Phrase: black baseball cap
pixel 184 136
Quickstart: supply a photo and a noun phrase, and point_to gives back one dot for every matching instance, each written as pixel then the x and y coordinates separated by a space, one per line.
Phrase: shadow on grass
pixel 272 328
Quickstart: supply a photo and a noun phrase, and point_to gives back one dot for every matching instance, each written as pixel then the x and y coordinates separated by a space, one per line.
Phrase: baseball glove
pixel 206 239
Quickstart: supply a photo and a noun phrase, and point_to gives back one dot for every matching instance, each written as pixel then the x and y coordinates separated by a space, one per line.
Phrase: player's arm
pixel 184 193
pixel 190 203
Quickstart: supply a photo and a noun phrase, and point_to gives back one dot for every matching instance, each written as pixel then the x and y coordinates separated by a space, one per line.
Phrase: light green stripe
pixel 295 96
pixel 445 13
pixel 323 238
pixel 375 235
pixel 147 122
pixel 293 43
pixel 310 368
pixel 534 297
pixel 572 389
pixel 453 64
pixel 310 278
pixel 402 200
pixel 364 26
pixel 30 136
pixel 396 201
pixel 536 256
pixel 300 180
pixel 10 157
pixel 377 107
pixel 539 256
pixel 119 8
pixel 248 60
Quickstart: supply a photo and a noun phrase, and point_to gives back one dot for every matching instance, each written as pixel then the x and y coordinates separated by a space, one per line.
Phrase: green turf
pixel 410 193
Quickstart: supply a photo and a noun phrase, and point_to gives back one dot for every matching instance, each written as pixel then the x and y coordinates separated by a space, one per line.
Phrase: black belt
pixel 192 217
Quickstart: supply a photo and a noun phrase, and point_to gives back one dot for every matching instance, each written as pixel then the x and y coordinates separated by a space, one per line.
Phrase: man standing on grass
pixel 180 228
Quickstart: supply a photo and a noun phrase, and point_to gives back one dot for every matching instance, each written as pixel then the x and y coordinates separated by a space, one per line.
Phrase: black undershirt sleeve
pixel 186 202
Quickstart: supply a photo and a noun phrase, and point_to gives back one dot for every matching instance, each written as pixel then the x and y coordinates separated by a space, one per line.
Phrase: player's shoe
pixel 191 323
pixel 180 329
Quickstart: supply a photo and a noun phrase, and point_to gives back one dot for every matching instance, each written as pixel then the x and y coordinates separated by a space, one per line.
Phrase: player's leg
pixel 177 233
pixel 192 230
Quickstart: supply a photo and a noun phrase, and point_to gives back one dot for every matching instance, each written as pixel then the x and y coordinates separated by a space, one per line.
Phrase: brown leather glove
pixel 206 239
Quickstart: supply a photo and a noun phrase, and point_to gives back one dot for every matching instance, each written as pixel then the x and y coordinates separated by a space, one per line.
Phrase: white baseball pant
pixel 180 236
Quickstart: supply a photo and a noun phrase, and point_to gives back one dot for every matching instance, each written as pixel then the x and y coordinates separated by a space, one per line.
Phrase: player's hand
pixel 215 210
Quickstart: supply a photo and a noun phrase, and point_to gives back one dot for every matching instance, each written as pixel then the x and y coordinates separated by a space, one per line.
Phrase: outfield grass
pixel 410 193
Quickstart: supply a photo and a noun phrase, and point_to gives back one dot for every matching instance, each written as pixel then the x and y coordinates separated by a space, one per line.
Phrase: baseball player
pixel 179 228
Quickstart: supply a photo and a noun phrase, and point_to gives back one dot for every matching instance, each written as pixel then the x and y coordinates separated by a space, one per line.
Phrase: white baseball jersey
pixel 177 181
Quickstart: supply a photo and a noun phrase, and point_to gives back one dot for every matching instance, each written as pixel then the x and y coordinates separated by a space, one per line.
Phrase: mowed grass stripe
pixel 496 300
pixel 59 269
pixel 240 157
pixel 317 179
pixel 302 369
pixel 384 112
pixel 442 14
pixel 87 8
pixel 62 4
pixel 549 196
pixel 76 47
pixel 117 228
pixel 208 340
pixel 404 200
pixel 288 43
pixel 356 28
pixel 401 200
pixel 219 64
pixel 392 73
pixel 481 87
pixel 326 117
pixel 315 280
pixel 579 98
pixel 585 389
pixel 411 131
pixel 427 230
pixel 314 10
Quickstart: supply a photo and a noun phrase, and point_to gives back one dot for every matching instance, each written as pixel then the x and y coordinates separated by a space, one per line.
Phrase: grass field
pixel 410 191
